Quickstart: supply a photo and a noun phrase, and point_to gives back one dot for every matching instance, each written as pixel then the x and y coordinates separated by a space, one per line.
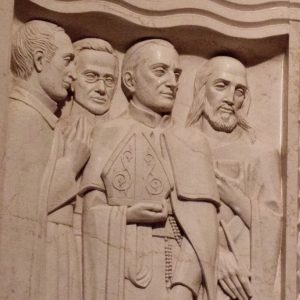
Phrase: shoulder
pixel 20 110
pixel 191 137
pixel 263 151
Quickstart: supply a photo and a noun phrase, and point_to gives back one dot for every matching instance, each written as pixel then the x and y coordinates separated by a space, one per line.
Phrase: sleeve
pixel 192 165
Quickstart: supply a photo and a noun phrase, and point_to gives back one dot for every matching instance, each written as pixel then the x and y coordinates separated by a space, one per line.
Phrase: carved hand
pixel 78 144
pixel 233 278
pixel 147 213
pixel 232 195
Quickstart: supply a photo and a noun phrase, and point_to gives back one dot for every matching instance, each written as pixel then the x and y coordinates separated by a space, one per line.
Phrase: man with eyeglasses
pixel 97 69
pixel 97 73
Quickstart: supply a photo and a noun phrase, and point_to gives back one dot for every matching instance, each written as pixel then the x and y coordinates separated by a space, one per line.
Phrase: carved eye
pixel 177 75
pixel 239 92
pixel 67 60
pixel 90 77
pixel 220 85
pixel 160 71
pixel 109 81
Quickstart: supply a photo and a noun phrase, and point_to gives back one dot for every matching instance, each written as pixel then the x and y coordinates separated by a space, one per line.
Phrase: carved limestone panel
pixel 150 150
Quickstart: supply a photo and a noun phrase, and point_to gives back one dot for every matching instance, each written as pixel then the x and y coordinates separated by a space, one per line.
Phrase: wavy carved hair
pixel 134 56
pixel 97 45
pixel 36 35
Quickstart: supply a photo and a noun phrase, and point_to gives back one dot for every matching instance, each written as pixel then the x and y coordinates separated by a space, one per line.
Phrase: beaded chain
pixel 176 230
pixel 168 250
pixel 168 262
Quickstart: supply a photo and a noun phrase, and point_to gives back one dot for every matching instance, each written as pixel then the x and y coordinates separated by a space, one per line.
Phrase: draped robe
pixel 257 168
pixel 137 157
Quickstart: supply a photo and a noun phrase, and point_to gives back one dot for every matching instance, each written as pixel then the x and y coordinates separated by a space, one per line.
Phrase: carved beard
pixel 216 120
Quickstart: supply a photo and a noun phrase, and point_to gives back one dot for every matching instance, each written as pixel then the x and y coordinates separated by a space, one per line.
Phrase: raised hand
pixel 78 144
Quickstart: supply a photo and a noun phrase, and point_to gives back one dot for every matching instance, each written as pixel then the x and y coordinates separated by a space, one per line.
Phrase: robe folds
pixel 31 191
pixel 256 168
pixel 29 166
pixel 135 158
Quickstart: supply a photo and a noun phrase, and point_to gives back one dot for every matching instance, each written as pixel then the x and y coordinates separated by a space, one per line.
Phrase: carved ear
pixel 129 81
pixel 38 60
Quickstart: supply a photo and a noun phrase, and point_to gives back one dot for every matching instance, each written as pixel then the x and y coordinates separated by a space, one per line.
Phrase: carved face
pixel 96 80
pixel 156 78
pixel 226 90
pixel 57 74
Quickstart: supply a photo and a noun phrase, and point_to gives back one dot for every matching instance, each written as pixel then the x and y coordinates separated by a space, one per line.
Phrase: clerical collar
pixel 150 119
pixel 21 93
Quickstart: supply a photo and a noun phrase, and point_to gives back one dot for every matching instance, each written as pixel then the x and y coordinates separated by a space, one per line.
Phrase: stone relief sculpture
pixel 142 200
pixel 44 152
pixel 97 70
pixel 40 169
pixel 248 178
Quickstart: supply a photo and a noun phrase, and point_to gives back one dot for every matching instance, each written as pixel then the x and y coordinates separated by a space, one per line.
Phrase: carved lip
pixel 227 110
pixel 168 95
pixel 99 100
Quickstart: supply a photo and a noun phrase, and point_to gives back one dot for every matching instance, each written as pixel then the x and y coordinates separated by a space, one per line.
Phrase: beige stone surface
pixel 264 36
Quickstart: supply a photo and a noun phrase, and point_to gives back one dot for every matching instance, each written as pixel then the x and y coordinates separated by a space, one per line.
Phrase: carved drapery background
pixel 265 34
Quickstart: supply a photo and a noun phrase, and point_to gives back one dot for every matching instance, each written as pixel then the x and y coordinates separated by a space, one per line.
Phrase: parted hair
pixel 36 35
pixel 134 56
pixel 96 44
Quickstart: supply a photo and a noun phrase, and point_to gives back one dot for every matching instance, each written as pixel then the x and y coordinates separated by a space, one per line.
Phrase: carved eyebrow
pixel 221 80
pixel 178 70
pixel 90 71
pixel 159 65
pixel 245 88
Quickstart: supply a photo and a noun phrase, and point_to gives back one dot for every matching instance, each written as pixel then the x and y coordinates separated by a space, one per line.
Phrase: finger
pixel 219 175
pixel 67 130
pixel 164 207
pixel 233 288
pixel 156 216
pixel 219 182
pixel 244 280
pixel 80 129
pixel 226 289
pixel 152 207
pixel 239 287
pixel 71 135
pixel 90 141
pixel 86 130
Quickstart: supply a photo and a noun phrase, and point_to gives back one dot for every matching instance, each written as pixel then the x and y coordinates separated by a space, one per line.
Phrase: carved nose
pixel 172 82
pixel 101 88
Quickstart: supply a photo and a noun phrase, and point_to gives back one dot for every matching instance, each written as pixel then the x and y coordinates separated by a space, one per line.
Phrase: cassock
pixel 140 157
pixel 32 189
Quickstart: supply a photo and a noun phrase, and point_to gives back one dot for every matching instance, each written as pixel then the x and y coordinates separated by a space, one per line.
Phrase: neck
pixel 33 87
pixel 219 137
pixel 78 109
pixel 141 106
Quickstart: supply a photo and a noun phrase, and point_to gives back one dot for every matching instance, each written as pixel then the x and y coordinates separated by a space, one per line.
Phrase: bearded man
pixel 248 178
